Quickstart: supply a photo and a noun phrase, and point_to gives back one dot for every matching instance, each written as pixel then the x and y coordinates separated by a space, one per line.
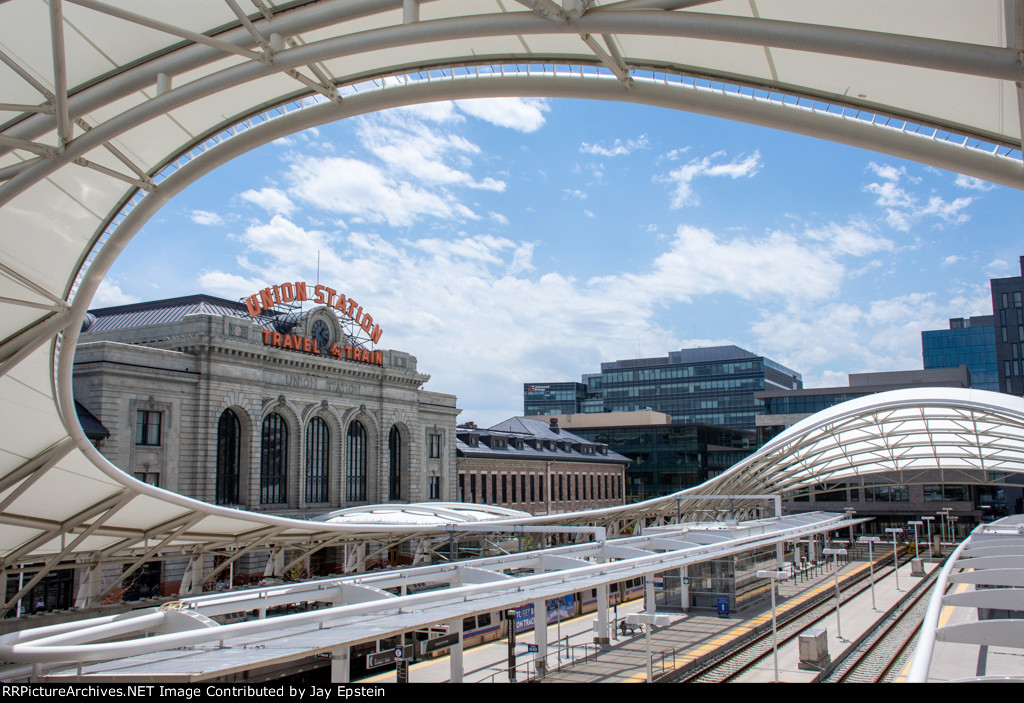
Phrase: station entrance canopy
pixel 110 111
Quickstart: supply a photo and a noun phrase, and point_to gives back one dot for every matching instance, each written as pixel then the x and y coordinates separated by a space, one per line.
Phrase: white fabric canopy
pixel 106 114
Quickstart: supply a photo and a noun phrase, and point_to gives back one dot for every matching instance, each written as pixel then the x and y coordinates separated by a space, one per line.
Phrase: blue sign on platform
pixel 723 606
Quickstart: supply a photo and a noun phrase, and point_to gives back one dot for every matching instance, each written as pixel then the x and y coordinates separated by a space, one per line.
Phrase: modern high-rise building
pixel 561 398
pixel 1008 314
pixel 666 457
pixel 991 346
pixel 708 385
pixel 969 342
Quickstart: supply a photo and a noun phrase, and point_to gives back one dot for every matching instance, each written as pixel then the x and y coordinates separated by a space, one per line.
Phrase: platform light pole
pixel 647 620
pixel 929 519
pixel 774 577
pixel 835 554
pixel 944 514
pixel 870 541
pixel 915 524
pixel 895 560
pixel 952 526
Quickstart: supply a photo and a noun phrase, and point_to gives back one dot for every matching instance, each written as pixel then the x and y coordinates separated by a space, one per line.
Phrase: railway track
pixel 733 663
pixel 880 654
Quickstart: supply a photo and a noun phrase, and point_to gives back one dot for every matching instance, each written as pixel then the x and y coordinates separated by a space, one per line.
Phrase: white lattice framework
pixel 109 111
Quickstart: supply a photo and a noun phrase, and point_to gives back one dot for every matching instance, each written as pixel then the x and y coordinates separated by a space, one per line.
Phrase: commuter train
pixel 487 627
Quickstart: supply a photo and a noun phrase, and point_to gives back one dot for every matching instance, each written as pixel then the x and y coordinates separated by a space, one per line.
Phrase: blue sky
pixel 527 240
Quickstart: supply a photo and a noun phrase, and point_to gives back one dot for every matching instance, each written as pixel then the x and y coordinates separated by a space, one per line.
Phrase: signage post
pixel 510 617
pixel 402 655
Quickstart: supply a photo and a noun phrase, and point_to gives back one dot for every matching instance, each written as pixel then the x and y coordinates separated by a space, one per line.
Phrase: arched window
pixel 318 441
pixel 395 470
pixel 274 460
pixel 229 436
pixel 355 463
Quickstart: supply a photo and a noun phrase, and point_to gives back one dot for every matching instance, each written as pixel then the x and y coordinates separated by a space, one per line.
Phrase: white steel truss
pixel 96 135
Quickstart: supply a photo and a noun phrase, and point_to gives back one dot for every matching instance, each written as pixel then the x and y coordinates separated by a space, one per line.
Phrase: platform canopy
pixel 920 435
pixel 110 110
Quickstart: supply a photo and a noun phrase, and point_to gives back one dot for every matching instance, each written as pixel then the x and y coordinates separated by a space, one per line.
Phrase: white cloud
pixel 673 155
pixel 618 148
pixel 422 165
pixel 996 267
pixel 498 217
pixel 951 212
pixel 700 263
pixel 274 201
pixel 229 285
pixel 522 259
pixel 411 148
pixel 521 114
pixel 854 239
pixel 281 250
pixel 904 209
pixel 489 184
pixel 875 335
pixel 887 172
pixel 204 217
pixel 575 193
pixel 953 259
pixel 441 112
pixel 683 177
pixel 355 188
pixel 972 183
pixel 109 294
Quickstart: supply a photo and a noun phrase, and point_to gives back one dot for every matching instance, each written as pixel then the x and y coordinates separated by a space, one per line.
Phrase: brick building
pixel 537 467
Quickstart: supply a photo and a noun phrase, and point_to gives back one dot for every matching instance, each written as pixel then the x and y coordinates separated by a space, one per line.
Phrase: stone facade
pixel 175 379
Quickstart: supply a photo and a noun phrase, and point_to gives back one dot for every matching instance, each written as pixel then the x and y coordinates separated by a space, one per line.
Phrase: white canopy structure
pixel 976 612
pixel 109 111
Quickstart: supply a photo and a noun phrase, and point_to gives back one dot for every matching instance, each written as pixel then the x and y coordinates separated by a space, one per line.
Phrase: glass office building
pixel 668 458
pixel 991 346
pixel 563 398
pixel 968 342
pixel 1008 316
pixel 712 385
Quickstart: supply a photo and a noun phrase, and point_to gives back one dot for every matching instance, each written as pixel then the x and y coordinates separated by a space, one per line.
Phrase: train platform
pixel 691 638
pixel 573 658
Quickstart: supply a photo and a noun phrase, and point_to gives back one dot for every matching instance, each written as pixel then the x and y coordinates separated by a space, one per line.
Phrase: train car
pixel 488 627
pixel 618 593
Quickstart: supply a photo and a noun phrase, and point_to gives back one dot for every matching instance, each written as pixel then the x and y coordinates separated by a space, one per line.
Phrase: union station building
pixel 267 407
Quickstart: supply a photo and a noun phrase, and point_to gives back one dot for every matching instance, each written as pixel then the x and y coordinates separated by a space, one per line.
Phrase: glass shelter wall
pixel 733 578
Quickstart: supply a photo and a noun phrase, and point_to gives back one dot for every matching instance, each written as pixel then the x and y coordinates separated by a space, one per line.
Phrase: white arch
pixel 97 135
